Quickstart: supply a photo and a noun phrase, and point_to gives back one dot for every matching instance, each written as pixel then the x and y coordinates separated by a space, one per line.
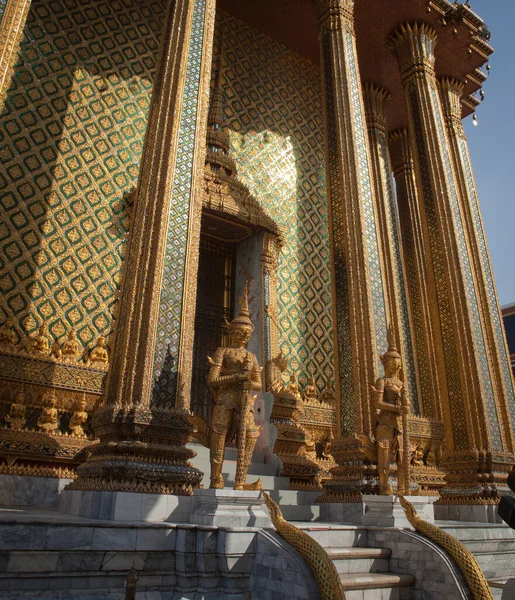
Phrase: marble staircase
pixel 364 571
pixel 493 545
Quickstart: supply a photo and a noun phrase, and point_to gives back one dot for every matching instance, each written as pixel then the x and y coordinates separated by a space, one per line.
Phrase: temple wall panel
pixel 71 138
pixel 273 107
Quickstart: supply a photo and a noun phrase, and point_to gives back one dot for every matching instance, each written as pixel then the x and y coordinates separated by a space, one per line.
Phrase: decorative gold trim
pixel 461 555
pixel 321 565
pixel 189 296
pixel 11 33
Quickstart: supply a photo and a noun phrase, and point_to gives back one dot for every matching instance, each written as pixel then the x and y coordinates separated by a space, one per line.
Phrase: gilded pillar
pixel 12 22
pixel 477 445
pixel 419 278
pixel 376 106
pixel 451 92
pixel 359 308
pixel 142 426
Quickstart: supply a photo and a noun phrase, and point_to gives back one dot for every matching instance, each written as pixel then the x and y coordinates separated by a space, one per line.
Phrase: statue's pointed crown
pixel 392 351
pixel 243 316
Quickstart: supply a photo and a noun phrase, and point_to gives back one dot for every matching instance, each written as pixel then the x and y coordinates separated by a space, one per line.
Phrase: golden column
pixel 419 278
pixel 451 92
pixel 478 447
pixel 377 101
pixel 12 22
pixel 142 426
pixel 359 307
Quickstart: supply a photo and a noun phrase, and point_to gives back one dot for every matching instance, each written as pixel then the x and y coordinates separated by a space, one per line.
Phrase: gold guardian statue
pixel 233 375
pixel 392 405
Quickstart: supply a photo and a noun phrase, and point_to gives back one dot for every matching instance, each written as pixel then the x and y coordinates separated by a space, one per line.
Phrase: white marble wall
pixel 18 490
pixel 55 557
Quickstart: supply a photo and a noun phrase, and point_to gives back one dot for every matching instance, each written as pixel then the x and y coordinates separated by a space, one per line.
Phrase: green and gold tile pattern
pixel 71 137
pixel 273 106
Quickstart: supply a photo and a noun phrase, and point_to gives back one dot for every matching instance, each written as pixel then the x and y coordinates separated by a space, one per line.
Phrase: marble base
pixel 24 490
pixel 386 511
pixel 230 508
pixel 126 506
pixel 477 513
pixel 347 512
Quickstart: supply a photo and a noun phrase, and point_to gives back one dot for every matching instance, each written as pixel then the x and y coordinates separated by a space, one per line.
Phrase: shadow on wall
pixel 71 137
pixel 273 106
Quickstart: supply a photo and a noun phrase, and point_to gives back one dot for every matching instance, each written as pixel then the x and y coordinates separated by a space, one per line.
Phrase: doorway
pixel 215 305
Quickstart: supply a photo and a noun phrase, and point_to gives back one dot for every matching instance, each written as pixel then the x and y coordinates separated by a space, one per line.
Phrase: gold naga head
pixel 241 327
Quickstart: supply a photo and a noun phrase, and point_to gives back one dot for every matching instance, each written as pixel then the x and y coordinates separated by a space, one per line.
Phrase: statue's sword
pixel 406 446
pixel 239 479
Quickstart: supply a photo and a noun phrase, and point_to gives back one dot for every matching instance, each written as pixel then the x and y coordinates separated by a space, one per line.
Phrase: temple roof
pixel 461 50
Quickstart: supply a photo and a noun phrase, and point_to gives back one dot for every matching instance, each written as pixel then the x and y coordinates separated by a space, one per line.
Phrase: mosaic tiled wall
pixel 273 105
pixel 71 137
pixel 3 4
pixel 172 293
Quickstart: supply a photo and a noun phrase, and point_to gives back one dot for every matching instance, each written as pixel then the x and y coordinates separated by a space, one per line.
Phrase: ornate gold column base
pixel 475 477
pixel 140 451
pixel 355 475
pixel 295 447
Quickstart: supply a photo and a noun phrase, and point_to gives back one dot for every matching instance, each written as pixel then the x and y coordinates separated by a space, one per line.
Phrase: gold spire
pixel 218 159
pixel 216 112
pixel 243 316
pixel 392 348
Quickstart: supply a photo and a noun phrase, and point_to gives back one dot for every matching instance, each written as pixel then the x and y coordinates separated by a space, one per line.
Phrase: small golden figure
pixel 16 417
pixel 293 387
pixel 55 350
pixel 392 406
pixel 48 420
pixel 274 374
pixel 328 397
pixel 79 418
pixel 98 354
pixel 39 345
pixel 431 457
pixel 234 372
pixel 418 457
pixel 311 392
pixel 71 349
pixel 7 335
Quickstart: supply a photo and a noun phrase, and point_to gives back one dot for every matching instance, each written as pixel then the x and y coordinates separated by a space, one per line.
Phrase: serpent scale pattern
pixel 464 559
pixel 326 575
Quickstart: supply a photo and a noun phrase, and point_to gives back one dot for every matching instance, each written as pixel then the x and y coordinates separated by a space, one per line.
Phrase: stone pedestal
pixel 126 506
pixel 477 513
pixel 377 511
pixel 386 511
pixel 230 508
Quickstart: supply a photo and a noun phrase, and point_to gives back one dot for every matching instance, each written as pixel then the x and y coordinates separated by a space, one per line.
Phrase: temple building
pixel 249 226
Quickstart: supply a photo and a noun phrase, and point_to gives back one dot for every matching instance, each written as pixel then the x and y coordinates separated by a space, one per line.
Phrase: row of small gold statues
pixel 40 345
pixel 275 370
pixel 48 421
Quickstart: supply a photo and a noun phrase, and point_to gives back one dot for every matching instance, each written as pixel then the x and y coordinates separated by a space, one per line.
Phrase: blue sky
pixel 491 144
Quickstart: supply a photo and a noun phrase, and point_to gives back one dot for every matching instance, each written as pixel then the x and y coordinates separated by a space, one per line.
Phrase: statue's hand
pixel 244 376
pixel 404 409
pixel 376 390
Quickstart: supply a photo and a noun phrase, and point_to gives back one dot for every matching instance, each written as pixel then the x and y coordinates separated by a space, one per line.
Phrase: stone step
pixel 230 454
pixel 371 582
pixel 300 513
pixel 268 482
pixel 497 587
pixel 330 535
pixel 472 532
pixel 496 564
pixel 360 560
